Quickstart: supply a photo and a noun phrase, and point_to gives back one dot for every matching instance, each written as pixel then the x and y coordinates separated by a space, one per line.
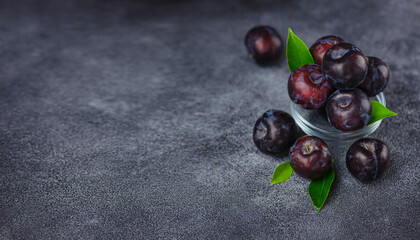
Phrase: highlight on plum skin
pixel 307 87
pixel 321 46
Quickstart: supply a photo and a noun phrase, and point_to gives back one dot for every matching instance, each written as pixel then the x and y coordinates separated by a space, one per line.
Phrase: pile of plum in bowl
pixel 337 97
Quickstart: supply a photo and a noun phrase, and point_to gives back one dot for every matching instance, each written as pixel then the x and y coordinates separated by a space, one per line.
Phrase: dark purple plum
pixel 264 44
pixel 376 78
pixel 321 46
pixel 367 159
pixel 310 157
pixel 274 132
pixel 307 87
pixel 348 110
pixel 344 66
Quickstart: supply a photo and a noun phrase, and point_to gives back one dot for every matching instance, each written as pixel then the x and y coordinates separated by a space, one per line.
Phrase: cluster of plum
pixel 339 83
pixel 342 79
pixel 275 132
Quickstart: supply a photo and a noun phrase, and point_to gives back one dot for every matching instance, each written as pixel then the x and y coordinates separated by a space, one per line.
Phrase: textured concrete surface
pixel 133 120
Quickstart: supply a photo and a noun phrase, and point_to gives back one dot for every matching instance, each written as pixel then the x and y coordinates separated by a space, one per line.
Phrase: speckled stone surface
pixel 133 120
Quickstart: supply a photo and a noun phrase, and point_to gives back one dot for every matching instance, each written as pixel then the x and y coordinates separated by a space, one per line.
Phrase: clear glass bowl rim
pixel 337 137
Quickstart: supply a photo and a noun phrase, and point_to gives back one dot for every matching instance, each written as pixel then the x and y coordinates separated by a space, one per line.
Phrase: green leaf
pixel 281 173
pixel 297 53
pixel 319 189
pixel 379 112
pixel 301 134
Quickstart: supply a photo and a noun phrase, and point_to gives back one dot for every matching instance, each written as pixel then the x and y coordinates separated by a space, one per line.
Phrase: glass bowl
pixel 313 123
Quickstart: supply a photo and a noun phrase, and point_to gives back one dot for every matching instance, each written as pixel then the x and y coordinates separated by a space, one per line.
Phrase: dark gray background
pixel 124 119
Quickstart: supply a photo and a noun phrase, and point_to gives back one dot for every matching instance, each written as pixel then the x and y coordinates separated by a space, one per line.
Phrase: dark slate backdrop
pixel 133 120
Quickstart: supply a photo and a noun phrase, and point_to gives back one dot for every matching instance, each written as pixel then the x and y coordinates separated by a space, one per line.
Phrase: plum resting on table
pixel 274 132
pixel 367 159
pixel 376 78
pixel 307 87
pixel 321 46
pixel 344 66
pixel 310 157
pixel 264 44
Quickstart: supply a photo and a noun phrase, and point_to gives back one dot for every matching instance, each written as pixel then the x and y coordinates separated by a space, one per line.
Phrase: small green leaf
pixel 301 134
pixel 319 189
pixel 379 112
pixel 281 173
pixel 297 53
